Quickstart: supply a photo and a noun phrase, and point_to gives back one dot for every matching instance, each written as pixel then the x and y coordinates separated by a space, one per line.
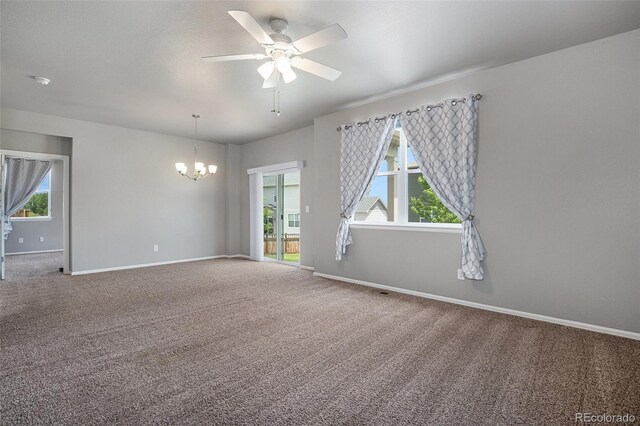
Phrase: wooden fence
pixel 22 213
pixel 291 243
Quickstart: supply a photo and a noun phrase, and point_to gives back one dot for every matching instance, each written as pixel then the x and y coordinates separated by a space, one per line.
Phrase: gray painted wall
pixel 32 230
pixel 291 146
pixel 235 181
pixel 557 190
pixel 34 142
pixel 127 196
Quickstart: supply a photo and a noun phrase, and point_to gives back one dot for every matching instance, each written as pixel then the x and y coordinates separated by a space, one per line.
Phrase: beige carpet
pixel 22 266
pixel 236 342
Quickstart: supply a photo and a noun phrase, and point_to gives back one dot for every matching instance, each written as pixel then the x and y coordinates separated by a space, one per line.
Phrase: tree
pixel 428 206
pixel 38 205
pixel 267 214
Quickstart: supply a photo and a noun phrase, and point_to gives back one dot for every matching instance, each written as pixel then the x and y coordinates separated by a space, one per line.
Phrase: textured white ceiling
pixel 137 64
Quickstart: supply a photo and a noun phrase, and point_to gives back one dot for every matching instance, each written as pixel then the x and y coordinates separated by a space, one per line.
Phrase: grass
pixel 288 257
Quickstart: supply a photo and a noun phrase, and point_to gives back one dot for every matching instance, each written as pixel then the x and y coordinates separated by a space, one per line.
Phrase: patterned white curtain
pixel 364 147
pixel 444 143
pixel 21 182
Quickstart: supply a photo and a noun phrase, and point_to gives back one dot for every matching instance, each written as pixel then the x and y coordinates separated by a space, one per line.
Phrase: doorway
pixel 37 242
pixel 281 216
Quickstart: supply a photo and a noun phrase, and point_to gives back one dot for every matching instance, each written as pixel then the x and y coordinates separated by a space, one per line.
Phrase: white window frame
pixel 296 219
pixel 401 222
pixel 48 217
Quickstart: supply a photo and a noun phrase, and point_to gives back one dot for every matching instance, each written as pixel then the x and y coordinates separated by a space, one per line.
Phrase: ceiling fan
pixel 283 54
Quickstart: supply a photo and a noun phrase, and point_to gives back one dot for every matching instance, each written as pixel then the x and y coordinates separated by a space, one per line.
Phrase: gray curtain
pixel 364 147
pixel 21 181
pixel 444 142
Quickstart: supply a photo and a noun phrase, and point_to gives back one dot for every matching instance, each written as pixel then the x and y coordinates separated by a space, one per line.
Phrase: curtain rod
pixel 476 97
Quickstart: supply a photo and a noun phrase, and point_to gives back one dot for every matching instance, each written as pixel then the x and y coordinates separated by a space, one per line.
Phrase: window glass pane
pixel 411 160
pixel 269 221
pixel 424 204
pixel 45 184
pixel 38 204
pixel 294 220
pixel 391 160
pixel 269 191
pixel 380 204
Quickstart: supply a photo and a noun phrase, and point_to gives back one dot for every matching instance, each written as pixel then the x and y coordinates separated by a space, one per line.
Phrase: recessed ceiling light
pixel 42 81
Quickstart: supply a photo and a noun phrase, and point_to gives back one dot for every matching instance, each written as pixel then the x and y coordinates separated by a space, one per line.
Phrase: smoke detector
pixel 42 81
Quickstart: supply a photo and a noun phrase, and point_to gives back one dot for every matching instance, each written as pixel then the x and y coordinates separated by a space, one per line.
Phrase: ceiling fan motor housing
pixel 279 26
pixel 281 45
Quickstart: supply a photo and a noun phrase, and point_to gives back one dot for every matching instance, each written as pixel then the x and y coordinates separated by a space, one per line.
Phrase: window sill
pixel 453 228
pixel 31 219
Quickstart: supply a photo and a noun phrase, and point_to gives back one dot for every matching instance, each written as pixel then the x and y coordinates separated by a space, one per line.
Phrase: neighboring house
pixel 371 209
pixel 291 209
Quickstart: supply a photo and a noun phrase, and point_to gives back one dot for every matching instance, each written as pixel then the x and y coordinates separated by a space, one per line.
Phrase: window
pixel 39 205
pixel 294 220
pixel 400 194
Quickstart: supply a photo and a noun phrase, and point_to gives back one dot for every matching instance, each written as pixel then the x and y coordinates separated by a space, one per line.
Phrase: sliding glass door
pixel 281 217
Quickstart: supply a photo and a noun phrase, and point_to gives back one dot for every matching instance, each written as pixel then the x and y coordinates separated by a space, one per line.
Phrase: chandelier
pixel 200 170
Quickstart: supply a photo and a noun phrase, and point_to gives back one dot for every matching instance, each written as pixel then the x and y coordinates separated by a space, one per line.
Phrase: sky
pixel 44 185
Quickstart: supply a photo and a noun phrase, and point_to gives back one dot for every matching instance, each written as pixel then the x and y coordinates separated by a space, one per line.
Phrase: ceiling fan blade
pixel 250 24
pixel 320 38
pixel 272 81
pixel 315 68
pixel 223 58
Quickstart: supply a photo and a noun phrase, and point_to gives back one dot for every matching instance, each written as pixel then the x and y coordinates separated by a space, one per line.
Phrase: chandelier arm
pixel 198 173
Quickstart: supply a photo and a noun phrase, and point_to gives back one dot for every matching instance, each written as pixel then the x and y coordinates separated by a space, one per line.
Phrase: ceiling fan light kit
pixel 266 69
pixel 282 52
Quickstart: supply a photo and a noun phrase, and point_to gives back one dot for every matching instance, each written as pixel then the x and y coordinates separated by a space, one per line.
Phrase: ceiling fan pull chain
pixel 273 100
pixel 278 114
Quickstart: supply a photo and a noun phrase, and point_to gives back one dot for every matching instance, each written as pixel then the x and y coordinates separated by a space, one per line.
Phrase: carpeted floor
pixel 23 266
pixel 236 342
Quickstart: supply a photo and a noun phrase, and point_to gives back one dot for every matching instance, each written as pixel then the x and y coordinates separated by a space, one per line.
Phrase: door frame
pixel 66 222
pixel 256 195
pixel 280 244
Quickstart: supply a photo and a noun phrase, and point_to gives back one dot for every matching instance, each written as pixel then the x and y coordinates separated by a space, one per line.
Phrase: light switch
pixel 306 209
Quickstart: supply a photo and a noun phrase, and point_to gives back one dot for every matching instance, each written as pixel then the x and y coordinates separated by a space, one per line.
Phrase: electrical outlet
pixel 155 247
pixel 460 274
pixel 306 209
pixel 41 239
pixel 20 240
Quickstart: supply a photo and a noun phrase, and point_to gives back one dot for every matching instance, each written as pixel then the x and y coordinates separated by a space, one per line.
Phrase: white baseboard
pixel 32 252
pixel 238 256
pixel 146 265
pixel 560 321
pixel 307 268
